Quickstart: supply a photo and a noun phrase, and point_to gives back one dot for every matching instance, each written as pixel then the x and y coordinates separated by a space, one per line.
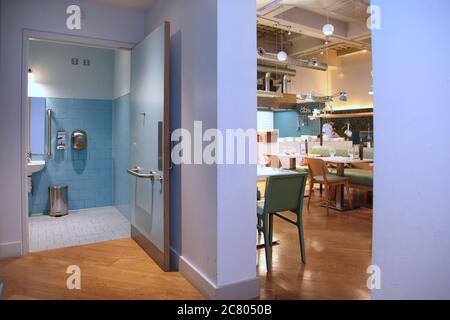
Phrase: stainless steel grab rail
pixel 137 173
pixel 49 133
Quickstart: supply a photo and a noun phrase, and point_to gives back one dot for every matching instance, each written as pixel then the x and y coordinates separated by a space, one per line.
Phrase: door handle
pixel 137 172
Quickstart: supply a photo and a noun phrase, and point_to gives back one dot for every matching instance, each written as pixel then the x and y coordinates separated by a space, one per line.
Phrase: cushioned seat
pixel 342 153
pixel 320 151
pixel 260 207
pixel 330 178
pixel 368 153
pixel 302 169
pixel 359 176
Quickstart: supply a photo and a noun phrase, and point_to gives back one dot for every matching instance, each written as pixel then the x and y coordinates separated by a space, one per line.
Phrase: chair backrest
pixel 368 153
pixel 285 193
pixel 317 167
pixel 320 151
pixel 341 153
pixel 274 162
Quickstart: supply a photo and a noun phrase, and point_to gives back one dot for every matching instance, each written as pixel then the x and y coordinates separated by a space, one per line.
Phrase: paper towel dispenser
pixel 79 140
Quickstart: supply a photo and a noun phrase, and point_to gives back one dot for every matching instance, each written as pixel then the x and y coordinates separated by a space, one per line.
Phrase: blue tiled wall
pixel 287 122
pixel 88 173
pixel 121 154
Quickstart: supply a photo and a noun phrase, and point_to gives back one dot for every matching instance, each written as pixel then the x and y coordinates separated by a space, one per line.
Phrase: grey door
pixel 150 141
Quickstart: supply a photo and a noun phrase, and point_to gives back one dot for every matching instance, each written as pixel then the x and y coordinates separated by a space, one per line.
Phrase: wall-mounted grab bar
pixel 137 172
pixel 49 133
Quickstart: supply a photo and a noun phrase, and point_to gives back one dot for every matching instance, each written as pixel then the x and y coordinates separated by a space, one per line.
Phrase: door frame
pixel 45 36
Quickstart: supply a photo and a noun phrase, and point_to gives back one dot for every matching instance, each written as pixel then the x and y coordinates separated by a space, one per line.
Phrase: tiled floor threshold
pixel 79 227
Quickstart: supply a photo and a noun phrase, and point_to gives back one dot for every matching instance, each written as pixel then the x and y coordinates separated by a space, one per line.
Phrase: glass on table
pixel 332 152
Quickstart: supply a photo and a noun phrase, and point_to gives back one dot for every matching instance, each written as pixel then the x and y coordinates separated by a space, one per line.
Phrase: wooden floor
pixel 338 249
pixel 338 253
pixel 110 270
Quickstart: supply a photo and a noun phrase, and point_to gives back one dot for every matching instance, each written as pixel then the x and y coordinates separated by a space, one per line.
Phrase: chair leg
pixel 311 189
pixel 267 246
pixel 301 239
pixel 259 224
pixel 271 229
pixel 350 197
pixel 328 196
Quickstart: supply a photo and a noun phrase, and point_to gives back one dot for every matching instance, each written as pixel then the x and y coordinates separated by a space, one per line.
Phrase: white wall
pixel 411 235
pixel 353 74
pixel 213 237
pixel 122 73
pixel 309 80
pixel 101 22
pixel 350 73
pixel 56 76
pixel 236 240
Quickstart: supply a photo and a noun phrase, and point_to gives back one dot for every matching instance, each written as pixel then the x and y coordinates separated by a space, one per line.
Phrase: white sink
pixel 35 166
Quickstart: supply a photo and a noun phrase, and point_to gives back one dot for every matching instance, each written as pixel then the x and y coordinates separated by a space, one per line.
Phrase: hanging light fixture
pixel 30 75
pixel 328 30
pixel 282 55
pixel 343 96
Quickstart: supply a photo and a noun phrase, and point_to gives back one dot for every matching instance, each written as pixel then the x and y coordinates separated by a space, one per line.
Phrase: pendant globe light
pixel 328 30
pixel 282 55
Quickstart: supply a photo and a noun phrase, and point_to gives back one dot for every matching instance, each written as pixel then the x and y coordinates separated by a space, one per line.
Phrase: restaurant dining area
pixel 315 153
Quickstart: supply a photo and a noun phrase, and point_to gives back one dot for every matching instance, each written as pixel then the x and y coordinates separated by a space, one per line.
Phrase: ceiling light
pixel 282 56
pixel 371 91
pixel 364 51
pixel 321 52
pixel 343 96
pixel 328 29
pixel 30 76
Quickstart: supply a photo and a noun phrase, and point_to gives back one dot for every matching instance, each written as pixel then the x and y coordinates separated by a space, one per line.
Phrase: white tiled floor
pixel 78 228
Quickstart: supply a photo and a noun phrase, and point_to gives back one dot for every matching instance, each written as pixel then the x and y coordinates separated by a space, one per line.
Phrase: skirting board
pixel 10 250
pixel 243 290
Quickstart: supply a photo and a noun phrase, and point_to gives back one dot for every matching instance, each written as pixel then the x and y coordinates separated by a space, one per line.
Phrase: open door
pixel 150 145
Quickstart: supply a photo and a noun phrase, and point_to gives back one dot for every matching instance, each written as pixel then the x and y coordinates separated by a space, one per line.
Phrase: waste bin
pixel 58 196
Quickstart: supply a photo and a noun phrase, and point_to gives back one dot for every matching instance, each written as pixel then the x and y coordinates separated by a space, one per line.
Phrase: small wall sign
pixel 73 21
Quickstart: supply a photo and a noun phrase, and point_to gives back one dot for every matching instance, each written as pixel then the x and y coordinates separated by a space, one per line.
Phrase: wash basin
pixel 35 166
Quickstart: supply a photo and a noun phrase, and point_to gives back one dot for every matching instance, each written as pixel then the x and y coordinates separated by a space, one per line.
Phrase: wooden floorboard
pixel 338 253
pixel 111 270
pixel 338 249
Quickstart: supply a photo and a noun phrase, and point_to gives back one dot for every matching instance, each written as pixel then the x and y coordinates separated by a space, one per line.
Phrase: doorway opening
pixel 315 110
pixel 97 142
pixel 78 124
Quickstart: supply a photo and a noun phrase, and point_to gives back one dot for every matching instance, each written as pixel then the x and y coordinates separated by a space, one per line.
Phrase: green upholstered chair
pixel 342 153
pixel 283 193
pixel 368 153
pixel 359 177
pixel 320 151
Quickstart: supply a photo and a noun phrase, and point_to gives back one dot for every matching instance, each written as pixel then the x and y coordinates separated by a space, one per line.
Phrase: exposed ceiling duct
pixel 265 58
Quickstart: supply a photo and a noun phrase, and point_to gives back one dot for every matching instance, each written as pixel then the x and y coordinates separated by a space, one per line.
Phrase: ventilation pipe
pixel 267 81
pixel 271 58
pixel 284 88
